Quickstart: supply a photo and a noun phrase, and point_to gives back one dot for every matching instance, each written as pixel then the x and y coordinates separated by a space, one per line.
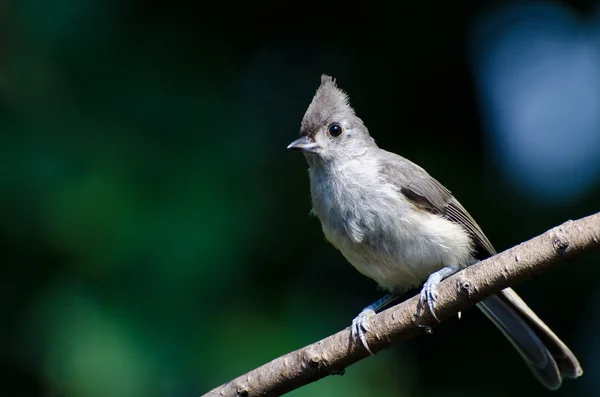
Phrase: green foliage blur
pixel 156 237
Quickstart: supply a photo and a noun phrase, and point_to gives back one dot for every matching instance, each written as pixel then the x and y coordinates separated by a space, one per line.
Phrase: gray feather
pixel 565 359
pixel 546 355
pixel 427 193
pixel 536 355
pixel 398 225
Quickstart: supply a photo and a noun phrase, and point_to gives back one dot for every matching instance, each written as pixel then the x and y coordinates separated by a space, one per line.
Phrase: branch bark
pixel 333 354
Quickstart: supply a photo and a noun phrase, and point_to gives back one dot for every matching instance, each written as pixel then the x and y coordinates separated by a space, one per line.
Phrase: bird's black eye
pixel 335 130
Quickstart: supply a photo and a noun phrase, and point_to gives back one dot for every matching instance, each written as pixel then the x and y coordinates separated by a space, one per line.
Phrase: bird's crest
pixel 328 102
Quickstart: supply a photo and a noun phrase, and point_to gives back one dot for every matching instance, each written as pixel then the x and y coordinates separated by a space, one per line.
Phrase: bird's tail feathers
pixel 546 355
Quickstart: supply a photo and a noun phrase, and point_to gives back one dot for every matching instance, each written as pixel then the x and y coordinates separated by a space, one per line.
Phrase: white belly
pixel 408 254
pixel 387 238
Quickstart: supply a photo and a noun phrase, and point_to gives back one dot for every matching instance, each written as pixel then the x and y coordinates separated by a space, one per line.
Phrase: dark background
pixel 155 232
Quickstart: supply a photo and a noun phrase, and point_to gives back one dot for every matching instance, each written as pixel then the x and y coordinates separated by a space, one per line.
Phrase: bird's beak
pixel 302 144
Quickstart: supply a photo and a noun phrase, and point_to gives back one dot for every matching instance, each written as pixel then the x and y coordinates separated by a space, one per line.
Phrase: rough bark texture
pixel 334 353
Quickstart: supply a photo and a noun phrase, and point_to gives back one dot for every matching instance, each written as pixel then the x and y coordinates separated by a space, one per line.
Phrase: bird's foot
pixel 429 292
pixel 360 327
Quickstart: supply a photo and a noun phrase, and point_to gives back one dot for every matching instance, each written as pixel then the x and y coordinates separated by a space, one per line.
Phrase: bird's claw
pixel 429 295
pixel 360 327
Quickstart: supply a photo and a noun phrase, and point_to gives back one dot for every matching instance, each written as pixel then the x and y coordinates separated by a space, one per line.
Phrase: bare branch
pixel 334 353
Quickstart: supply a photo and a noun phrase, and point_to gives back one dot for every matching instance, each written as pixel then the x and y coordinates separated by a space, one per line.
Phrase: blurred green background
pixel 155 232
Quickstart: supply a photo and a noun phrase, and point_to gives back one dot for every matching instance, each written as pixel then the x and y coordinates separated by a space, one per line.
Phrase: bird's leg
pixel 429 291
pixel 359 324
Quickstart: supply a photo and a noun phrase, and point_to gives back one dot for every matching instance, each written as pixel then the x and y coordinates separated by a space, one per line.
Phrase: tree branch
pixel 334 353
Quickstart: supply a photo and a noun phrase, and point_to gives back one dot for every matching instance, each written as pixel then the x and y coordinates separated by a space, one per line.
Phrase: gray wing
pixel 427 193
pixel 547 356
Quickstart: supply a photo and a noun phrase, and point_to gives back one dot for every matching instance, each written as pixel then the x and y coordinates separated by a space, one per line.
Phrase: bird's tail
pixel 548 357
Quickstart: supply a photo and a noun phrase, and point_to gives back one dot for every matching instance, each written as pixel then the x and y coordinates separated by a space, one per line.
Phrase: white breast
pixel 381 233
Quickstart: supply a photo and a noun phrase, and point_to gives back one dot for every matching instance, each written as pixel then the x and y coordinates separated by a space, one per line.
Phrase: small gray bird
pixel 397 225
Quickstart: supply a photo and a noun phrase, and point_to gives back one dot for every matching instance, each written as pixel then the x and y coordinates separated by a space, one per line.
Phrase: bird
pixel 402 228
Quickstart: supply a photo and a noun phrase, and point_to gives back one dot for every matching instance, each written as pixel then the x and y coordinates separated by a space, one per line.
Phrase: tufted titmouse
pixel 399 226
